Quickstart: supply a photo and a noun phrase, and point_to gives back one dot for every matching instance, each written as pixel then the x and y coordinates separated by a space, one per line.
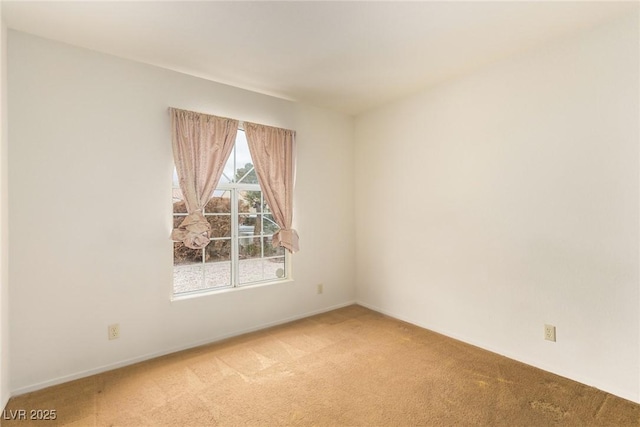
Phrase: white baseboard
pixel 131 361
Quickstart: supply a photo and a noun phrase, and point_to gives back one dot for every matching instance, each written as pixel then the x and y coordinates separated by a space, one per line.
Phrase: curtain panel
pixel 201 146
pixel 273 153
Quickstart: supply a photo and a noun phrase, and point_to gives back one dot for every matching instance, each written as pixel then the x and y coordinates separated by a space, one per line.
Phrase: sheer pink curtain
pixel 201 146
pixel 273 153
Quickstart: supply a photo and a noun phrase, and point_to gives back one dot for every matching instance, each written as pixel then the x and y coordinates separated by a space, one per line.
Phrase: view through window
pixel 240 252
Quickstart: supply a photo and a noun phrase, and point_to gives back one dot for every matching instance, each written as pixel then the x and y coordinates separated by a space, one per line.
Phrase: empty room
pixel 320 213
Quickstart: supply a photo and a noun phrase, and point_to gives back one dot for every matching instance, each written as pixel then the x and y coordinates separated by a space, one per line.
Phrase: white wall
pixel 4 223
pixel 90 202
pixel 508 199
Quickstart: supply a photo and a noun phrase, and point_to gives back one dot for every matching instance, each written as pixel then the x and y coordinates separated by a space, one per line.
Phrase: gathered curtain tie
pixel 287 237
pixel 193 231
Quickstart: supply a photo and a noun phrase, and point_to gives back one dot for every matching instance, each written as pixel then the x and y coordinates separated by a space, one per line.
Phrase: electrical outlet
pixel 113 331
pixel 319 288
pixel 550 333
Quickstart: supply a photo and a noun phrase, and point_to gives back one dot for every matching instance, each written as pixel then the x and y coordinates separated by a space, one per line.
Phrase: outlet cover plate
pixel 550 333
pixel 113 331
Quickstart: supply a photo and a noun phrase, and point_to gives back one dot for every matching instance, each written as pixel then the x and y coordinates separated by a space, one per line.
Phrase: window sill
pixel 188 296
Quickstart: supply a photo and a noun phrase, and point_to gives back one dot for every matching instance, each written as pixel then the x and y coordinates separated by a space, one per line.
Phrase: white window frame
pixel 234 190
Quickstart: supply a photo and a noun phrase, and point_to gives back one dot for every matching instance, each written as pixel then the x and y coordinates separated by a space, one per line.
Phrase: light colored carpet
pixel 351 366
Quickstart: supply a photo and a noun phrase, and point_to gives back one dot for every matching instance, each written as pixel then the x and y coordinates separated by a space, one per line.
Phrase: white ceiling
pixel 347 56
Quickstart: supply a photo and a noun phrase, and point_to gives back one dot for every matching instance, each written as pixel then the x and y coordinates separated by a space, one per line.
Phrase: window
pixel 240 252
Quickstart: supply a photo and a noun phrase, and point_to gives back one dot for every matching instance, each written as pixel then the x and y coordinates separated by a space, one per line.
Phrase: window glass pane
pixel 250 270
pixel 249 247
pixel 229 167
pixel 187 278
pixel 175 178
pixel 249 201
pixel 177 220
pixel 183 255
pixel 244 173
pixel 245 230
pixel 220 202
pixel 275 268
pixel 256 247
pixel 265 206
pixel 269 224
pixel 217 267
pixel 178 202
pixel 249 225
pixel 259 270
pixel 268 248
pixel 218 250
pixel 187 268
pixel 220 225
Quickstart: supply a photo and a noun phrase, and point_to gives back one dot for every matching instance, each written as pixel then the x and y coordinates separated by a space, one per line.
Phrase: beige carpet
pixel 347 367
